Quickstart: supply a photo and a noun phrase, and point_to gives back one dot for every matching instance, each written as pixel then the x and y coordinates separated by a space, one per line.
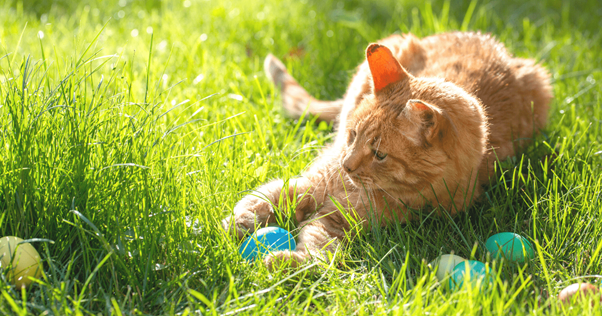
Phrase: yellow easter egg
pixel 21 260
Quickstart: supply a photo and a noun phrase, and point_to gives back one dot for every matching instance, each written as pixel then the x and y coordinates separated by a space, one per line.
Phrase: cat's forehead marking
pixel 374 130
pixel 371 141
pixel 368 127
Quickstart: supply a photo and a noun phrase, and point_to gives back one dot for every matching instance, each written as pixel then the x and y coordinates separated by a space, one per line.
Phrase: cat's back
pixel 479 64
pixel 515 92
pixel 472 61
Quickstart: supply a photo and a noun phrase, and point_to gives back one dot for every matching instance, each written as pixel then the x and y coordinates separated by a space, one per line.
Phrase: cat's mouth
pixel 360 181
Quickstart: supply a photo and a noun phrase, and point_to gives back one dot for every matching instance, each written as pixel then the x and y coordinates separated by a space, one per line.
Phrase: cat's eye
pixel 380 155
pixel 351 136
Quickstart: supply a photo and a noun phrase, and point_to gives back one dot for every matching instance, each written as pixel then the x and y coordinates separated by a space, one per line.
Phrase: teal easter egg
pixel 266 240
pixel 473 271
pixel 511 246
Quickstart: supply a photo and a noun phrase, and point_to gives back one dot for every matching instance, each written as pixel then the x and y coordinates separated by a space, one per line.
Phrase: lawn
pixel 129 129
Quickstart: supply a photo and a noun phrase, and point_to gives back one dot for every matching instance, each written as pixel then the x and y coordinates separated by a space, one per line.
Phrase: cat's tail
pixel 295 100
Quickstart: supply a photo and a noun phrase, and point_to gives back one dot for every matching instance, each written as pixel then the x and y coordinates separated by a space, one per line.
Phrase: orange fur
pixel 421 125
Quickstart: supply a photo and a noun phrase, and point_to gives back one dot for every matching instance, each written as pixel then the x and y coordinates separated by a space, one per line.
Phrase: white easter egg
pixel 445 264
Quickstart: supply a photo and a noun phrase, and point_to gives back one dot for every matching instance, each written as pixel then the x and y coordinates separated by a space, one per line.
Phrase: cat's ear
pixel 429 118
pixel 385 68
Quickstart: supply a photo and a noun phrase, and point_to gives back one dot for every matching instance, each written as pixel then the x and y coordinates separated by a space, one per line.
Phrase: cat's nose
pixel 347 168
pixel 351 163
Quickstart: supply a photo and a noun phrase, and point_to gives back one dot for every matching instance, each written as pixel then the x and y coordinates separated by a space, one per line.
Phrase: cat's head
pixel 411 133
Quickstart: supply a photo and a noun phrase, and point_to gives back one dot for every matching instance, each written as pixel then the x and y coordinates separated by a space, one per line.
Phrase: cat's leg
pixel 257 209
pixel 320 234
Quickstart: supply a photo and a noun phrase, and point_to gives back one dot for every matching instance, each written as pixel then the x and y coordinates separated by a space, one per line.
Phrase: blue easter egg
pixel 266 240
pixel 511 246
pixel 475 270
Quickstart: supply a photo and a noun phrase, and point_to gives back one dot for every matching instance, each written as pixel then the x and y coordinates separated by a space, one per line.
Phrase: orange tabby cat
pixel 421 125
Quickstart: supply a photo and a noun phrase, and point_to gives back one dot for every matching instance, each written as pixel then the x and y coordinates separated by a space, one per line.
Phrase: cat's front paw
pixel 249 213
pixel 285 259
pixel 230 226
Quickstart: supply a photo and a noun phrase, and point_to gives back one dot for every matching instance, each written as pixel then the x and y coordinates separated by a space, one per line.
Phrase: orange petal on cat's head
pixel 384 67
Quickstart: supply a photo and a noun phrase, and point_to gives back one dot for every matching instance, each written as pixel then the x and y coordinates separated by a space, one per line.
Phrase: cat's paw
pixel 230 226
pixel 285 259
pixel 249 213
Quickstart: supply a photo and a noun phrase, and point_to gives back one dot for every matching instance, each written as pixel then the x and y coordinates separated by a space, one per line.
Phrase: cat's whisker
pixel 385 191
pixel 326 178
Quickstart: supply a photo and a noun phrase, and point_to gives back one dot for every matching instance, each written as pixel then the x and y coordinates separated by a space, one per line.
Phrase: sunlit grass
pixel 129 129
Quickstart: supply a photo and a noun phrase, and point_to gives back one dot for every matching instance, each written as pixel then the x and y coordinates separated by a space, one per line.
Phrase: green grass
pixel 120 151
